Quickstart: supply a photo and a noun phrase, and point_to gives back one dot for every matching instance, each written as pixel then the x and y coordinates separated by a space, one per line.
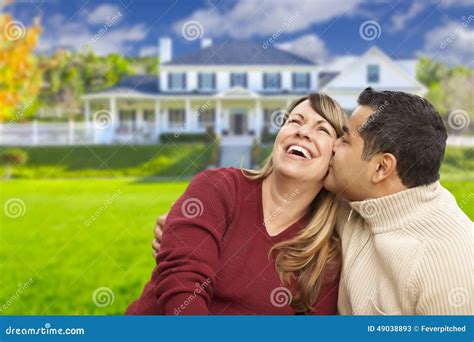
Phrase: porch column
pixel 218 123
pixel 258 118
pixel 113 110
pixel 188 116
pixel 139 118
pixel 157 119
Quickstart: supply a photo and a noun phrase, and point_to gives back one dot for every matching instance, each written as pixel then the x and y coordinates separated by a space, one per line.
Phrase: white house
pixel 233 88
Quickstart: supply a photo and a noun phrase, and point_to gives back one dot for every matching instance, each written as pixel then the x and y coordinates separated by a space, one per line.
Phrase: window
pixel 206 81
pixel 149 115
pixel 176 118
pixel 206 117
pixel 238 79
pixel 127 119
pixel 301 80
pixel 177 81
pixel 271 81
pixel 373 73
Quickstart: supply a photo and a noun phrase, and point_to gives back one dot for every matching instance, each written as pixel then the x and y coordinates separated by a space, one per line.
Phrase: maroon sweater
pixel 214 255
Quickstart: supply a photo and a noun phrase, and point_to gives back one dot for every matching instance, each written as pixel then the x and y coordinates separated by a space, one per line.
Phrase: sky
pixel 320 30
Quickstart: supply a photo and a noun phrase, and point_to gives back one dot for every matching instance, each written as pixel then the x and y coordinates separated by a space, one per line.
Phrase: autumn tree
pixel 20 76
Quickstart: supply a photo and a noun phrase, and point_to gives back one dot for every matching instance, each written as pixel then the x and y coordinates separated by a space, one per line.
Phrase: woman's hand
pixel 158 231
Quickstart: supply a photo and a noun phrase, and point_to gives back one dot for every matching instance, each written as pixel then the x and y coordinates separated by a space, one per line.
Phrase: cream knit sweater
pixel 410 253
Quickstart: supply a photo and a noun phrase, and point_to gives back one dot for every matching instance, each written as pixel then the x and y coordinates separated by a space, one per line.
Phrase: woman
pixel 256 242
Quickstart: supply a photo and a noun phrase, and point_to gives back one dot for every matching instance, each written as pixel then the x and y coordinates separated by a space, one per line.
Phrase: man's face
pixel 349 175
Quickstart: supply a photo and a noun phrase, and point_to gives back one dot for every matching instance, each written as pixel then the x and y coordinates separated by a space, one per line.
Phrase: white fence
pixel 81 133
pixel 75 133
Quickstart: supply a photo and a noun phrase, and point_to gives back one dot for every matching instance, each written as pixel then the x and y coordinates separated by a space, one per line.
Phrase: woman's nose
pixel 303 132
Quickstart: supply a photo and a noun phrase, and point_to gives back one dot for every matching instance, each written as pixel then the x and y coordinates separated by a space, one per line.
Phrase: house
pixel 237 89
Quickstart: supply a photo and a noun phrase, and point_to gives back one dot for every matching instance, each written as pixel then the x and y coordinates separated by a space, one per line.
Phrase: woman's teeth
pixel 300 151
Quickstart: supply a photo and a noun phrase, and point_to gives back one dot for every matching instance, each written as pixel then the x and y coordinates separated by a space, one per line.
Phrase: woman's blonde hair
pixel 305 257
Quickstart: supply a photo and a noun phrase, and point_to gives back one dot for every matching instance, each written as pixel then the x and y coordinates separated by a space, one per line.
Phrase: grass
pixel 167 160
pixel 79 235
pixel 67 253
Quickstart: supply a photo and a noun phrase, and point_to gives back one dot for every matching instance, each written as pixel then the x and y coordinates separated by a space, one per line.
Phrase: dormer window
pixel 271 81
pixel 238 79
pixel 373 73
pixel 206 81
pixel 301 80
pixel 177 81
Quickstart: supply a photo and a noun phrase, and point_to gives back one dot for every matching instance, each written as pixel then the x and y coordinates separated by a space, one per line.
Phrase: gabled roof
pixel 392 63
pixel 240 53
pixel 143 84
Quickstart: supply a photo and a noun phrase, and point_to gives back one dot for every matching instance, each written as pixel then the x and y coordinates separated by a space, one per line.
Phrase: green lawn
pixel 165 160
pixel 64 235
pixel 67 254
pixel 77 236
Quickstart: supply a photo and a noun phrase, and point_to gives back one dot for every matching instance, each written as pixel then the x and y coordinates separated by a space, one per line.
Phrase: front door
pixel 239 123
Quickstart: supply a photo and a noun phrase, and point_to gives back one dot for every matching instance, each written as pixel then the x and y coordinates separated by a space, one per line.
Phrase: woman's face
pixel 303 146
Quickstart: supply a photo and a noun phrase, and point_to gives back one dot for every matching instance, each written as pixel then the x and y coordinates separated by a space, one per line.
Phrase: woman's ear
pixel 385 167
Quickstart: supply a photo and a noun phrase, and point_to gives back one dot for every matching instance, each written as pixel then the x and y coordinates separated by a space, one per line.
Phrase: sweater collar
pixel 395 211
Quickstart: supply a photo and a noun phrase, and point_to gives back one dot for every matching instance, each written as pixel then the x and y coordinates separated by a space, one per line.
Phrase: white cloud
pixel 252 18
pixel 101 14
pixel 309 46
pixel 451 43
pixel 399 20
pixel 150 50
pixel 456 3
pixel 75 35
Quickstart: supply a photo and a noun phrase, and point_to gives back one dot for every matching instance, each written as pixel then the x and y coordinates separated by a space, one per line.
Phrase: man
pixel 406 245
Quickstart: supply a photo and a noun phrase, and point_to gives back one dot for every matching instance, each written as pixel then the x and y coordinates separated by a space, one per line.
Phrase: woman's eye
pixel 294 121
pixel 325 130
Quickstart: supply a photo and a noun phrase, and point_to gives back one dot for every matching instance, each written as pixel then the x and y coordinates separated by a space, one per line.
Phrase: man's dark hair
pixel 410 128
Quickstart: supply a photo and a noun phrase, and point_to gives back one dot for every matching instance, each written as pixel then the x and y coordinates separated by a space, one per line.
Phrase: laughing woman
pixel 241 242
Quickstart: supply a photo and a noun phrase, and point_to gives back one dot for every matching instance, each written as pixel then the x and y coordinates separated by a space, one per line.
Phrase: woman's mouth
pixel 298 152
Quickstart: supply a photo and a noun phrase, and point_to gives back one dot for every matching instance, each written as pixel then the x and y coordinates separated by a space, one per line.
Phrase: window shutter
pixel 169 81
pixel 293 80
pixel 265 86
pixel 245 80
pixel 184 81
pixel 214 81
pixel 279 81
pixel 308 80
pixel 199 80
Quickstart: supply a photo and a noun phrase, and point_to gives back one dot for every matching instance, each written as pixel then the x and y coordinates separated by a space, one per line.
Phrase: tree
pixel 20 76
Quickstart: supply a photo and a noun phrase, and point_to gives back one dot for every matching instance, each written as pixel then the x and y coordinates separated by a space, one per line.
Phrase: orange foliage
pixel 20 76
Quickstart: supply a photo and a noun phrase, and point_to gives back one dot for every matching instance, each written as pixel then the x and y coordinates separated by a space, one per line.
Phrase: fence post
pixel 35 132
pixel 71 132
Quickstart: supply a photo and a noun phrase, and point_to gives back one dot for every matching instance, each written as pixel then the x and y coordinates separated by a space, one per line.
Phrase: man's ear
pixel 385 166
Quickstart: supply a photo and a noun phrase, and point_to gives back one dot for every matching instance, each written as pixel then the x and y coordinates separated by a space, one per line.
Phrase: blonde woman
pixel 241 242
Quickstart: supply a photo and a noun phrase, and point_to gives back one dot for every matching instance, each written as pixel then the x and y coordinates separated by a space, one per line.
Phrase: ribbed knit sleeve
pixel 184 278
pixel 440 288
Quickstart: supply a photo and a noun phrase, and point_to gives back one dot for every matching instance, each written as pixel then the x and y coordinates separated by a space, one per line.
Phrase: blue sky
pixel 320 30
